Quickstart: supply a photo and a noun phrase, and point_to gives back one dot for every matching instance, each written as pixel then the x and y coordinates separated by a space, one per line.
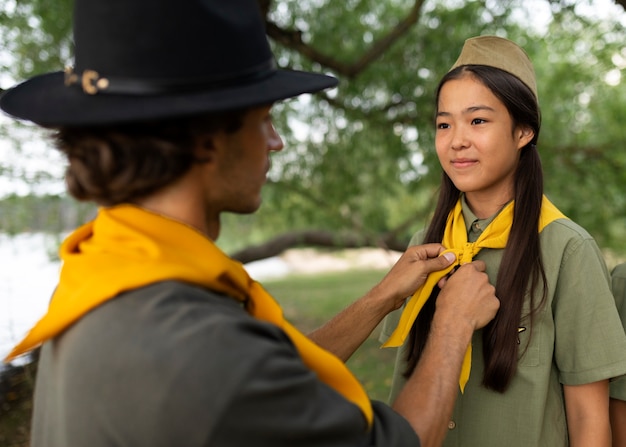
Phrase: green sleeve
pixel 590 344
pixel 618 277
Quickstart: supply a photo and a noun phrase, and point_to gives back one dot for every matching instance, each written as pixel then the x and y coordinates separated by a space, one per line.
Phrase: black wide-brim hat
pixel 138 60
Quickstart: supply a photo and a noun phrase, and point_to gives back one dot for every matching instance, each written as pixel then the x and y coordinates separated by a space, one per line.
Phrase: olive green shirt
pixel 576 338
pixel 618 276
pixel 172 364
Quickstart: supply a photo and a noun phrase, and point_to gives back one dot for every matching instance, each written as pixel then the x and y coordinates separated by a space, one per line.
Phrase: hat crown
pixel 138 60
pixel 497 52
pixel 144 39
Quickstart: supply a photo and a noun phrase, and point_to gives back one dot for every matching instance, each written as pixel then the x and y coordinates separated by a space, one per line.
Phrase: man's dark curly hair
pixel 123 163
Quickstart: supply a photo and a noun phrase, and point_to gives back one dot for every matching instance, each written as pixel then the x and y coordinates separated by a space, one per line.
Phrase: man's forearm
pixel 428 398
pixel 466 302
pixel 343 334
pixel 350 328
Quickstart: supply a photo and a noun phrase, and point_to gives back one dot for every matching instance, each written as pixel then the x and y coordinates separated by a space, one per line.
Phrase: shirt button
pixel 451 425
pixel 476 226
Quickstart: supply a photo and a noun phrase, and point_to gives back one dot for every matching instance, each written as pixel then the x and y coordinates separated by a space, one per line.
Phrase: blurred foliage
pixel 42 213
pixel 361 157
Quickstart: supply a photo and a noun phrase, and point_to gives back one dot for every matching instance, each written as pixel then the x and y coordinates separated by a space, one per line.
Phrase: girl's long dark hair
pixel 521 268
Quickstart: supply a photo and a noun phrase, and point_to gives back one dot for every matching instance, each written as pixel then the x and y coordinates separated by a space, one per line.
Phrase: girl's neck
pixel 485 207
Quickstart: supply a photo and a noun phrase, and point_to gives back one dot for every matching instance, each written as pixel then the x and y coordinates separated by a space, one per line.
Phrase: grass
pixel 310 301
pixel 307 301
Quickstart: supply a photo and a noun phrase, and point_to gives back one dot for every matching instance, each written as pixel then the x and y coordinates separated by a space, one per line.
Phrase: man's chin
pixel 249 209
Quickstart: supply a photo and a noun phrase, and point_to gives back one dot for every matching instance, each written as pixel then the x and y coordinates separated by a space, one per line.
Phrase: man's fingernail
pixel 449 256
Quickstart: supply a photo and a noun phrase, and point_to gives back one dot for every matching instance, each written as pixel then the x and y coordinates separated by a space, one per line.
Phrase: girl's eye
pixel 443 125
pixel 478 121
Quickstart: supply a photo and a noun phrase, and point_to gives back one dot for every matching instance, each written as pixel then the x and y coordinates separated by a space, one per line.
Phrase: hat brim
pixel 45 100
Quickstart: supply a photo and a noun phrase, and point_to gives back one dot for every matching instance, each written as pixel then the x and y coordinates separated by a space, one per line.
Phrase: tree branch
pixel 316 238
pixel 293 39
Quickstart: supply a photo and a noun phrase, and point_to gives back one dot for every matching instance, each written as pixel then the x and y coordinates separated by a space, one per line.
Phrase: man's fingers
pixel 439 263
pixel 479 265
pixel 427 251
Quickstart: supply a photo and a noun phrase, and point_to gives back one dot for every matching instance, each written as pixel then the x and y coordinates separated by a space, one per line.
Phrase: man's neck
pixel 183 200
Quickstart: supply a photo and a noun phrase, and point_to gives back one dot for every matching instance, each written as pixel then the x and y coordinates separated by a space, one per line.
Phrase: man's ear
pixel 204 149
pixel 524 135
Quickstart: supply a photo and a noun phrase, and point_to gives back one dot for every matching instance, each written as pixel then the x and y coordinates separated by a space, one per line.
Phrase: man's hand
pixel 344 333
pixel 467 296
pixel 410 272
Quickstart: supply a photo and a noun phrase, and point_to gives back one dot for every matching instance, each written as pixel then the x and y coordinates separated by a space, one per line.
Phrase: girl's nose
pixel 459 140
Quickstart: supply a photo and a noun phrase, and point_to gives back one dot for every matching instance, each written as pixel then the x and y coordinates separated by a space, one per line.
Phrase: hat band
pixel 92 83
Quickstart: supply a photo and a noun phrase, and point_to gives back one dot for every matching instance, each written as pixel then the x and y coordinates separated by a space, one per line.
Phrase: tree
pixel 362 170
pixel 389 57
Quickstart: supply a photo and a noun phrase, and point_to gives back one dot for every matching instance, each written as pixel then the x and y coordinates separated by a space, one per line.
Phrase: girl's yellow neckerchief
pixel 495 235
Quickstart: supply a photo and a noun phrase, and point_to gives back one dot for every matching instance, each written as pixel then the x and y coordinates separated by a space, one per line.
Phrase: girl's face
pixel 476 143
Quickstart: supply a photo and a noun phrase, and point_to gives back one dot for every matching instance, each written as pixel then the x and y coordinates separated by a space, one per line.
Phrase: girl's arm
pixel 587 410
pixel 618 422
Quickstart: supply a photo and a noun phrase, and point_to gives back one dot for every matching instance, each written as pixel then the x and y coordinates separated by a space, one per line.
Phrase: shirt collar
pixel 473 224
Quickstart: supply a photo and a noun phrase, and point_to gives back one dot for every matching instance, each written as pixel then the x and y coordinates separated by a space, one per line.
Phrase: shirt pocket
pixel 528 344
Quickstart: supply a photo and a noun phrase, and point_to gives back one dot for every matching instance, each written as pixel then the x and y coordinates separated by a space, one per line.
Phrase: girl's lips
pixel 463 162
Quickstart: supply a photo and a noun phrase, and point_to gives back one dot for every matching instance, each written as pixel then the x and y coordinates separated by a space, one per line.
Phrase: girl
pixel 538 374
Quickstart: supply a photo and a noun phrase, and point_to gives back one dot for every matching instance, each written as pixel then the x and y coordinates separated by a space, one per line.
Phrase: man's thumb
pixel 443 261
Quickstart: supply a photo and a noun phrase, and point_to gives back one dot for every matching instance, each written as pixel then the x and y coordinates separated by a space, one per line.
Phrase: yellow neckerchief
pixel 127 247
pixel 495 235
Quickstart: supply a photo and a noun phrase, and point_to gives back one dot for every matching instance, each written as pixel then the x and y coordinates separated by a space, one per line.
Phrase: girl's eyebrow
pixel 477 108
pixel 471 109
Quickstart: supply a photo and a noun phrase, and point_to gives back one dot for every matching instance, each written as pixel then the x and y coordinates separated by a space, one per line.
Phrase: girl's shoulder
pixel 566 242
pixel 418 237
pixel 565 229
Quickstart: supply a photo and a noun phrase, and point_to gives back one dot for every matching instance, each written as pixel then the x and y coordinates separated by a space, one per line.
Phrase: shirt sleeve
pixel 277 402
pixel 590 344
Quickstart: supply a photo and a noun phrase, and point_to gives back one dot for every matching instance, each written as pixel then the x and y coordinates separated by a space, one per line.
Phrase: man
pixel 154 336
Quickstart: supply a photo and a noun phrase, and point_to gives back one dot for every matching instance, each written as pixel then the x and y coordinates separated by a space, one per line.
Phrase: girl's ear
pixel 524 136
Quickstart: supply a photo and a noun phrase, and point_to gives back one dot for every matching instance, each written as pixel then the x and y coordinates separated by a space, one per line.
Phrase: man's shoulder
pixel 173 292
pixel 173 321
